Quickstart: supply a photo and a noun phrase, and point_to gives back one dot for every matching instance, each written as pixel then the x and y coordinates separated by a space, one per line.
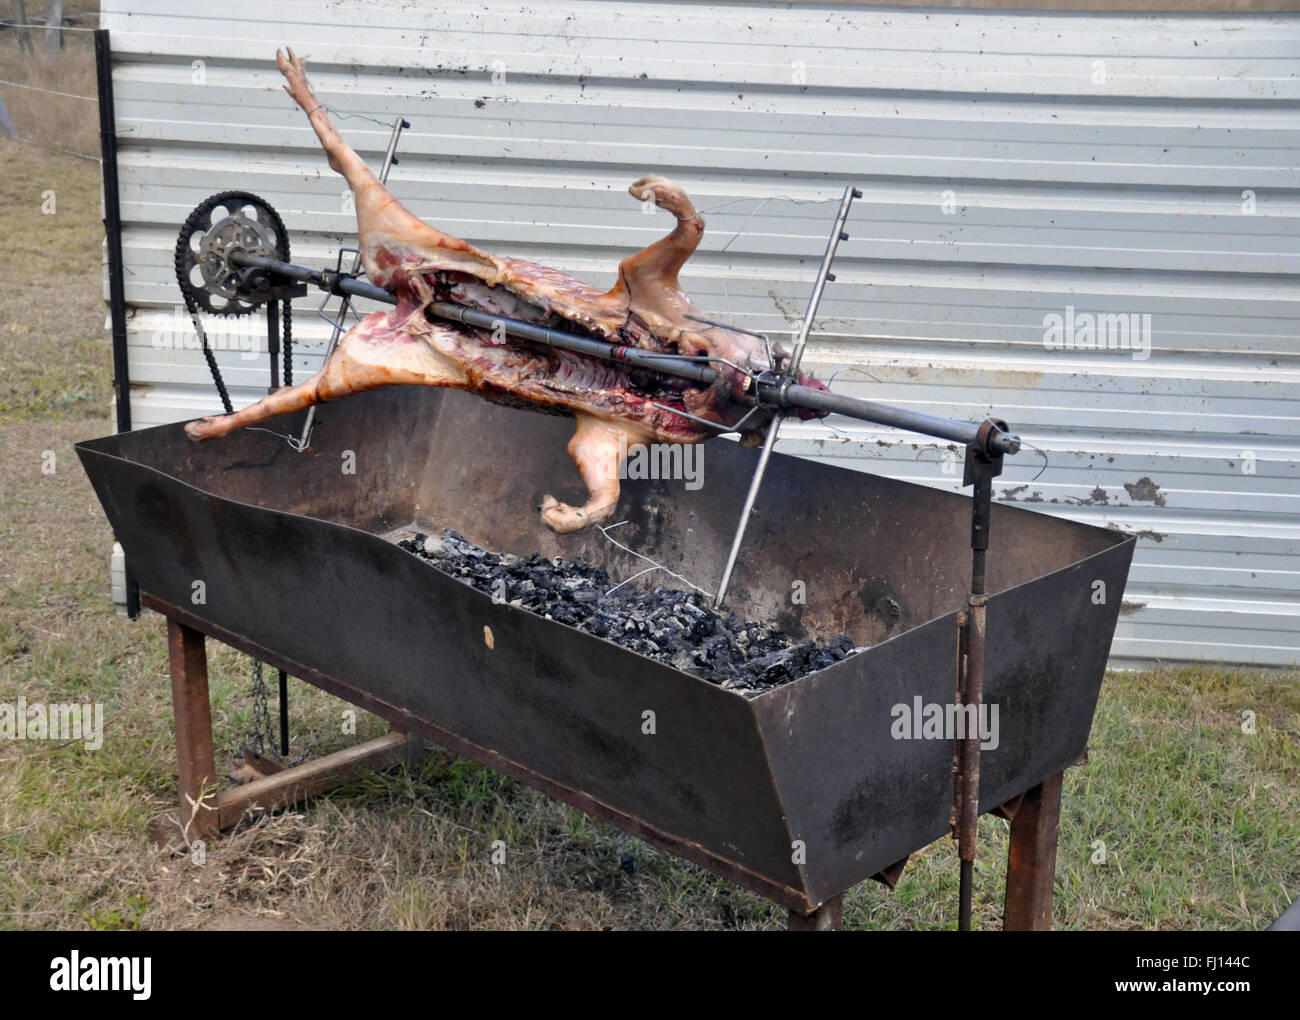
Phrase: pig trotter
pixel 598 448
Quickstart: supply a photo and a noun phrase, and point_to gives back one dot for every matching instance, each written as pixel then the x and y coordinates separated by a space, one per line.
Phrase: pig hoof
pixel 562 518
pixel 665 193
pixel 201 429
pixel 295 75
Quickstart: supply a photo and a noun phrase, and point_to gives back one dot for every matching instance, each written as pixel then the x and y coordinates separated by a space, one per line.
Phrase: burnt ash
pixel 666 624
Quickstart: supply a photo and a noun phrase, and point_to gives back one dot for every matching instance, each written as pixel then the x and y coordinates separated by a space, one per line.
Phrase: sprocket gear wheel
pixel 221 225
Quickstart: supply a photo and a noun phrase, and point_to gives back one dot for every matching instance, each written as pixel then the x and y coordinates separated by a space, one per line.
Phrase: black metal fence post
pixel 113 239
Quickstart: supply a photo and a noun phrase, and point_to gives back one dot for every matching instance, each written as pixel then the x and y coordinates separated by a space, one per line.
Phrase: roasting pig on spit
pixel 613 405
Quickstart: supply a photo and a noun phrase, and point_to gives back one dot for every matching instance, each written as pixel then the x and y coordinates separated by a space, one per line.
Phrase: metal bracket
pixel 275 292
pixel 790 374
pixel 390 158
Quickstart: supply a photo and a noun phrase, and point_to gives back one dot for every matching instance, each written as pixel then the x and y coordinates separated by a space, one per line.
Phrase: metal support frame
pixel 274 339
pixel 1035 815
pixel 190 704
pixel 1031 858
pixel 204 810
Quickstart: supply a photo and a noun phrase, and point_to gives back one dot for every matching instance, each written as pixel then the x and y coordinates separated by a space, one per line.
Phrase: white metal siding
pixel 1099 161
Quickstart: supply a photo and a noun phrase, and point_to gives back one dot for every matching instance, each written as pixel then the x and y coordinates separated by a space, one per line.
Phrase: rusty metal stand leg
pixel 1031 863
pixel 189 669
pixel 203 818
pixel 828 917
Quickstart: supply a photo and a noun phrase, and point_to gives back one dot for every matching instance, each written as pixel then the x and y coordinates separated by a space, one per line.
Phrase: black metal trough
pixel 799 792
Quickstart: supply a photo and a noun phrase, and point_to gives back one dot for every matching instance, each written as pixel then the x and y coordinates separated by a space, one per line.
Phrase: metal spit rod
pixel 791 373
pixel 668 364
pixel 777 391
pixel 389 160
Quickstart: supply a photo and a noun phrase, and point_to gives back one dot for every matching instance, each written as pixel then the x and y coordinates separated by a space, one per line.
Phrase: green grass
pixel 55 356
pixel 1200 821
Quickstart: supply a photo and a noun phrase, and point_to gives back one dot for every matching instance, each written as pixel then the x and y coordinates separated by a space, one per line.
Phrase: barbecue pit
pixel 796 789
pixel 798 793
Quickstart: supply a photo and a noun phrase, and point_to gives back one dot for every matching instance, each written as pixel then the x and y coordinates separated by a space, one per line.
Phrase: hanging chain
pixel 208 356
pixel 286 344
pixel 260 738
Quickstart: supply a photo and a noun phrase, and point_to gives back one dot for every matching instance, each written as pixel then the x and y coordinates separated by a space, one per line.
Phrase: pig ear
pixel 655 268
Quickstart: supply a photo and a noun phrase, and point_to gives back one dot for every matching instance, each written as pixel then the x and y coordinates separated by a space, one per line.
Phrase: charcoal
pixel 779 665
pixel 666 624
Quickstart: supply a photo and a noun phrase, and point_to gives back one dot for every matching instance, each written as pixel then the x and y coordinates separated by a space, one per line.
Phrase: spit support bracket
pixel 331 281
pixel 784 382
pixel 983 464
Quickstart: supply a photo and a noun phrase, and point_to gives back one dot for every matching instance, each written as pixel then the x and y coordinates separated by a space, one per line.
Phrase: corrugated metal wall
pixel 1015 167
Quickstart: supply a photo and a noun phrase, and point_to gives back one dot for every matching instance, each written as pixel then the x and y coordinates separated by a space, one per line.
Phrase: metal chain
pixel 208 356
pixel 260 738
pixel 190 293
pixel 287 342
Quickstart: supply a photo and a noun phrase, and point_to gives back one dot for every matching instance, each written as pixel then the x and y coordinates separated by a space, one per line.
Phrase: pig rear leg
pixel 342 158
pixel 381 218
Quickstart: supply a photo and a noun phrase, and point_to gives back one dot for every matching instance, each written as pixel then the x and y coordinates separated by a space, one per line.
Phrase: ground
pixel 1180 819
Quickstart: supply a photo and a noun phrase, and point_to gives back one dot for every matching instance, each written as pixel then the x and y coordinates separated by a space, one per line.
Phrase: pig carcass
pixel 613 405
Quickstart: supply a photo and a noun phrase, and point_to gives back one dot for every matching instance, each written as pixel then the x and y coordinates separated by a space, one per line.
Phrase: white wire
pixel 653 564
pixel 52 92
pixel 44 28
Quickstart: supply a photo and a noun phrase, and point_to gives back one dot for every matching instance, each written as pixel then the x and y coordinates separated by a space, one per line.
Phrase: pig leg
pixel 381 218
pixel 342 158
pixel 598 448
pixel 374 353
pixel 655 268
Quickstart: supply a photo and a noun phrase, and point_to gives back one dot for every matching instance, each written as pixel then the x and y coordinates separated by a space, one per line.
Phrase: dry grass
pixel 55 356
pixel 1201 822
pixel 43 116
